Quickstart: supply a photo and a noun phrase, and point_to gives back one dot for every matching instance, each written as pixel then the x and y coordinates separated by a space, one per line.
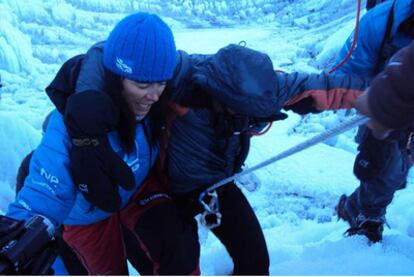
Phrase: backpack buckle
pixel 241 123
pixel 231 124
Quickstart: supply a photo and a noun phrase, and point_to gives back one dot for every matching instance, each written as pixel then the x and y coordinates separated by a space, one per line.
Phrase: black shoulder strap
pixel 373 3
pixel 244 151
pixel 386 48
pixel 64 83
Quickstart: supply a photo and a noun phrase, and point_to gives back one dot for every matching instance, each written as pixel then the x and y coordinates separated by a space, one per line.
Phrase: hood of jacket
pixel 241 79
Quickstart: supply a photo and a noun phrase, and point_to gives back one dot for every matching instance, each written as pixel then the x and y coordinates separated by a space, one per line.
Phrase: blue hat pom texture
pixel 141 47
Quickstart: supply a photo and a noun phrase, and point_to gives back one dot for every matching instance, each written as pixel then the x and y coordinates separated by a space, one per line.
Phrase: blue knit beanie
pixel 141 47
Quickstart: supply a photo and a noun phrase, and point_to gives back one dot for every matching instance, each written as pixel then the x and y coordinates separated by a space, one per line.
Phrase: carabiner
pixel 211 217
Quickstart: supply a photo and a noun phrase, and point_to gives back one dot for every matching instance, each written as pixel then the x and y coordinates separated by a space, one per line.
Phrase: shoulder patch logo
pixel 48 176
pixel 123 65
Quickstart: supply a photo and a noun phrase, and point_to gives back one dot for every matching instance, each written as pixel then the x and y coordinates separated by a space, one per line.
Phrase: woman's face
pixel 141 96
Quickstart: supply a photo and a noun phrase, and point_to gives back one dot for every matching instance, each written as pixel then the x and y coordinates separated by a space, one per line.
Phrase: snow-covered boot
pixel 371 227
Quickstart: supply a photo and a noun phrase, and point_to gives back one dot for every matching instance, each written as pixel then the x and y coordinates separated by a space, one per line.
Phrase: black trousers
pixel 241 234
pixel 239 231
pixel 382 167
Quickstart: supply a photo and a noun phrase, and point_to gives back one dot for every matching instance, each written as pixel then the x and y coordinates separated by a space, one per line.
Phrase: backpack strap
pixel 228 124
pixel 244 151
pixel 387 49
pixel 373 3
pixel 407 26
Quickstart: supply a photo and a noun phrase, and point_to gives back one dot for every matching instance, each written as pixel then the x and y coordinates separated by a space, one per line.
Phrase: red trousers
pixel 168 241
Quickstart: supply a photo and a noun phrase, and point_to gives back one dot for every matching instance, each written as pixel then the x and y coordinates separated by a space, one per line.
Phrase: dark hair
pixel 127 120
pixel 158 115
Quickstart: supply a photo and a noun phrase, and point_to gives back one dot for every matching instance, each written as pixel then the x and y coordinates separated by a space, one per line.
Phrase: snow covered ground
pixel 296 198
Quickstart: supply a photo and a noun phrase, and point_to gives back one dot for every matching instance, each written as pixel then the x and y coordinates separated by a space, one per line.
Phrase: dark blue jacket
pixel 243 80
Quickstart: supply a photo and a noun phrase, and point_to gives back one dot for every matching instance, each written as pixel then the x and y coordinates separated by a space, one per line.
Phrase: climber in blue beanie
pixel 92 171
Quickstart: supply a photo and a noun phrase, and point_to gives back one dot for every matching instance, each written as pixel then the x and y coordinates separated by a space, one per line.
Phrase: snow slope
pixel 296 197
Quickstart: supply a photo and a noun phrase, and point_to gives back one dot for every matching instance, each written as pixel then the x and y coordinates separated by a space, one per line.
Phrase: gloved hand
pixel 96 169
pixel 303 106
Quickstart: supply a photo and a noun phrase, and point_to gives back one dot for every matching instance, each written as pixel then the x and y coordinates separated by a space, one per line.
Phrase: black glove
pixel 303 106
pixel 96 169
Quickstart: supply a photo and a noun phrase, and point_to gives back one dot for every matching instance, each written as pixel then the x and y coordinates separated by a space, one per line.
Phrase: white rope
pixel 342 127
